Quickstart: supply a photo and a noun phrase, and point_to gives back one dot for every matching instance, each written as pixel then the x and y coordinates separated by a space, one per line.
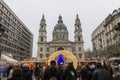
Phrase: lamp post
pixel 1 33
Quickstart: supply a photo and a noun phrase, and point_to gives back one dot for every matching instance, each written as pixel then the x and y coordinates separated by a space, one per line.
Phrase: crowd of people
pixel 96 71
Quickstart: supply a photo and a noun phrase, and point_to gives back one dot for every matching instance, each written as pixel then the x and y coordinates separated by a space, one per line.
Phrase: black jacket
pixel 60 74
pixel 70 73
pixel 50 72
pixel 117 77
pixel 27 74
pixel 84 73
pixel 17 78
pixel 101 74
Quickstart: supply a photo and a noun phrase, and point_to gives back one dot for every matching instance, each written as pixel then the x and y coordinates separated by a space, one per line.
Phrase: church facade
pixel 60 39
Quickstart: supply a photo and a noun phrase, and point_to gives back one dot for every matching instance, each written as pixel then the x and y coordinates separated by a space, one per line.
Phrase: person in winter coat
pixel 117 74
pixel 27 74
pixel 17 74
pixel 70 72
pixel 37 72
pixel 60 73
pixel 84 73
pixel 9 71
pixel 100 73
pixel 107 66
pixel 51 72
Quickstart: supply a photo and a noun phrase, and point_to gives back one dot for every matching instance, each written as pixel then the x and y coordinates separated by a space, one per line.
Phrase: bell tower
pixel 78 30
pixel 78 38
pixel 42 31
pixel 42 39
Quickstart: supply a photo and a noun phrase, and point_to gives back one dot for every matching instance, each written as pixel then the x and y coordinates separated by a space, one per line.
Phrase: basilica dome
pixel 60 25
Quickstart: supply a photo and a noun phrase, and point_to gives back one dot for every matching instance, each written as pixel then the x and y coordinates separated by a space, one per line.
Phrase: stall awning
pixel 8 59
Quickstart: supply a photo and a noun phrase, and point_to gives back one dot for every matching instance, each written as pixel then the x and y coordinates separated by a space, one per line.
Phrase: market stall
pixel 7 59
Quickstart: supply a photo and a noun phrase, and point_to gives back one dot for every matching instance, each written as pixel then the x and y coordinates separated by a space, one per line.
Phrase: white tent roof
pixel 114 58
pixel 8 59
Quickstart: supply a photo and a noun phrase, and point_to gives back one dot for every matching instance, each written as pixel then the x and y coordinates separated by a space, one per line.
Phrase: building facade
pixel 105 38
pixel 17 38
pixel 60 39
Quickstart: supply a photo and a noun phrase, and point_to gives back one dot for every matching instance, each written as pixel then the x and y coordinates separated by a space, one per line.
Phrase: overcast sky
pixel 91 14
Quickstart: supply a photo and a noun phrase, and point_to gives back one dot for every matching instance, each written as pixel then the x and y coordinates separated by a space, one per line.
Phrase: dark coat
pixel 17 78
pixel 37 71
pixel 60 74
pixel 117 77
pixel 68 75
pixel 50 72
pixel 84 73
pixel 101 74
pixel 27 74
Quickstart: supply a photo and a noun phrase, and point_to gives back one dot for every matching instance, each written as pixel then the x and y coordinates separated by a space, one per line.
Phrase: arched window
pixel 60 36
pixel 41 38
pixel 42 27
pixel 57 36
pixel 78 38
pixel 60 48
pixel 63 36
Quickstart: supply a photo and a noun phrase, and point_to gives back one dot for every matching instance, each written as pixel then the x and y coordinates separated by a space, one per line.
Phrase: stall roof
pixel 114 58
pixel 8 59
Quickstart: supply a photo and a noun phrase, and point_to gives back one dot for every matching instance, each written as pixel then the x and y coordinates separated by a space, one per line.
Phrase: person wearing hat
pixel 51 71
pixel 60 74
pixel 100 73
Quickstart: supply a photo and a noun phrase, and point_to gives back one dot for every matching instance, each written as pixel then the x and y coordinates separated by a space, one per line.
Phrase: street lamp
pixel 1 33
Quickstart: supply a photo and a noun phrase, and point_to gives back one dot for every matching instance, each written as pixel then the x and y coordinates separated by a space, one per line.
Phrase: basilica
pixel 60 39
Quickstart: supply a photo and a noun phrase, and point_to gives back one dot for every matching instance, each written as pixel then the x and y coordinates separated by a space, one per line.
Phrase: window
pixel 60 48
pixel 63 36
pixel 1 5
pixel 47 50
pixel 42 27
pixel 41 38
pixel 41 55
pixel 78 26
pixel 79 48
pixel 73 49
pixel 80 55
pixel 0 12
pixel 41 49
pixel 78 38
pixel 60 36
pixel 57 36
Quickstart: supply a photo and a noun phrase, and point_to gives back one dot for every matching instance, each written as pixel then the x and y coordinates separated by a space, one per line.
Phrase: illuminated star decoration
pixel 60 60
